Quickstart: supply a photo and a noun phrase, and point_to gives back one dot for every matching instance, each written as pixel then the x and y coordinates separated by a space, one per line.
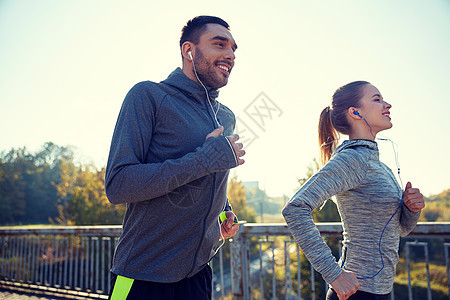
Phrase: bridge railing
pixel 71 260
pixel 256 278
pixel 75 260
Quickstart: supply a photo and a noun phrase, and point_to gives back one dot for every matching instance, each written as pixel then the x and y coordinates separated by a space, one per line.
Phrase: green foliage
pixel 81 189
pixel 27 195
pixel 437 208
pixel 444 197
pixel 45 186
pixel 438 280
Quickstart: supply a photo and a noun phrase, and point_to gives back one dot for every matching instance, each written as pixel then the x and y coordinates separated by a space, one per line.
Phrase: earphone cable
pixel 394 147
pixel 207 96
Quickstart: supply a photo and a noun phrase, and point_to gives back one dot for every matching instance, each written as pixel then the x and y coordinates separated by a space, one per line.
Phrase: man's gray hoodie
pixel 173 181
pixel 367 196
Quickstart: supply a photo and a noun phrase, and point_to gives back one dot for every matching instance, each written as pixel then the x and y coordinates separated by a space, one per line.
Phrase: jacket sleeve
pixel 408 221
pixel 129 179
pixel 340 174
pixel 227 206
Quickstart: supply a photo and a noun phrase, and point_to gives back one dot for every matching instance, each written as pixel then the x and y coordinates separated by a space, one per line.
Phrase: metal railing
pixel 75 261
pixel 71 260
pixel 247 287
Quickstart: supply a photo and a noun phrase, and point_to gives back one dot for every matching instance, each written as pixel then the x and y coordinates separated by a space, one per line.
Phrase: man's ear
pixel 187 48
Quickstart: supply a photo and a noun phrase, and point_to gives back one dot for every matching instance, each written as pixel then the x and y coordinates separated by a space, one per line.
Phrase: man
pixel 169 161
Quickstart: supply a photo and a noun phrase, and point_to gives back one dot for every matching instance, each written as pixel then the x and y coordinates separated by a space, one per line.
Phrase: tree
pixel 47 185
pixel 26 192
pixel 12 195
pixel 83 199
pixel 437 208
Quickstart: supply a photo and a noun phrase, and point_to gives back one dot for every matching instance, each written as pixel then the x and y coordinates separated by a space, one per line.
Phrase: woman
pixel 374 210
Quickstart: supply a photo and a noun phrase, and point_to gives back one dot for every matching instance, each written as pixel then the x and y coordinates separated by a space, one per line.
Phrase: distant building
pixel 250 185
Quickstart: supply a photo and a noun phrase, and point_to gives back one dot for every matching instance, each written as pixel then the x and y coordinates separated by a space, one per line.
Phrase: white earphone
pixel 206 91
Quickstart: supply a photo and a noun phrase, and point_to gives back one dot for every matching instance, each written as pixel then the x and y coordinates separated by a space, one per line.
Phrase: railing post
pixel 425 247
pixel 408 268
pixel 313 282
pixel 446 246
pixel 239 265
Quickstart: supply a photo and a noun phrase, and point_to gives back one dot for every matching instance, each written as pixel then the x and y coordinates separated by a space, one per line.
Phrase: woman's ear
pixel 354 114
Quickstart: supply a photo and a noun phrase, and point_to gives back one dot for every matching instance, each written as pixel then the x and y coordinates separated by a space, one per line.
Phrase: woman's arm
pixel 342 173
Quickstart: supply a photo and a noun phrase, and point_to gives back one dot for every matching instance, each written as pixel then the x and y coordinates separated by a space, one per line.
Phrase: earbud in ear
pixel 357 113
pixel 190 55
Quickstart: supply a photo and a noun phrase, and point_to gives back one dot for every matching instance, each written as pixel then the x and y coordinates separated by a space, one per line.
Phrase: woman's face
pixel 374 109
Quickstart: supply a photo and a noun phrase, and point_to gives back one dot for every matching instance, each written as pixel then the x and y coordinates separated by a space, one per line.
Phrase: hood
pixel 356 143
pixel 194 89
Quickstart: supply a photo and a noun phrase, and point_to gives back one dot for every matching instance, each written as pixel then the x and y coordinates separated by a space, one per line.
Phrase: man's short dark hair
pixel 194 28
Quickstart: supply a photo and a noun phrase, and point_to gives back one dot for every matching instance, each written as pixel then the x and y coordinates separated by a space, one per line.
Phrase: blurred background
pixel 66 67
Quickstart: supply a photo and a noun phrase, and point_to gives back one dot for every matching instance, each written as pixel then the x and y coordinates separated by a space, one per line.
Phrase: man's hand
pixel 228 228
pixel 215 133
pixel 237 147
pixel 345 285
pixel 412 198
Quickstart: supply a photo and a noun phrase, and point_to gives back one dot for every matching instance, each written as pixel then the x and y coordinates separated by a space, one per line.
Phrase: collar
pixel 372 145
pixel 186 85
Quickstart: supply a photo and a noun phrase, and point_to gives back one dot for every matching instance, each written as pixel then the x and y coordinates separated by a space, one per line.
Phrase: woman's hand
pixel 345 285
pixel 412 198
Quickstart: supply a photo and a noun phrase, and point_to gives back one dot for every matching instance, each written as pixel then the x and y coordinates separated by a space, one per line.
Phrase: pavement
pixel 18 293
pixel 10 295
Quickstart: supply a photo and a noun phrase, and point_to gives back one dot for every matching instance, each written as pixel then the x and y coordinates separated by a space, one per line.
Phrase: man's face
pixel 214 56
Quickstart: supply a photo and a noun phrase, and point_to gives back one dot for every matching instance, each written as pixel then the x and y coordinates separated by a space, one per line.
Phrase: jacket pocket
pixel 189 194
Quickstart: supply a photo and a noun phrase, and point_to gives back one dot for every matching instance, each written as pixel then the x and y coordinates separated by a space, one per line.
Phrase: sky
pixel 66 66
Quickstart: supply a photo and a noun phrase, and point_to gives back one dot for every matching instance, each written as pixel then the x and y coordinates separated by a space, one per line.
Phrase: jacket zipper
pixel 213 187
